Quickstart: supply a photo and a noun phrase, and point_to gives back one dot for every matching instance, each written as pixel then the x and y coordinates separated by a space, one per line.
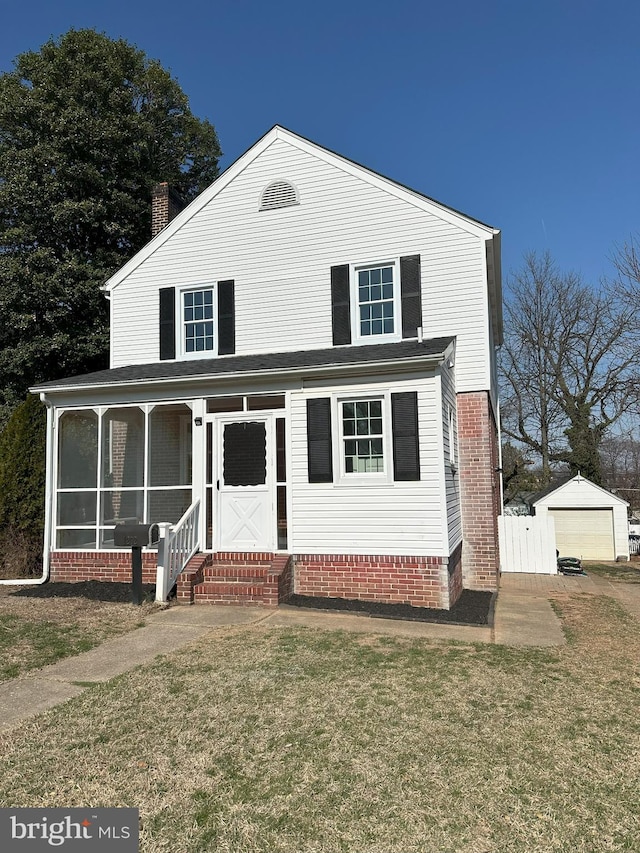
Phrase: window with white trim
pixel 362 436
pixel 198 314
pixel 452 436
pixel 376 302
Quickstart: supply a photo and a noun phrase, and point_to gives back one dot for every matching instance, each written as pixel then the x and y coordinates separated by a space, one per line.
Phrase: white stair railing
pixel 178 543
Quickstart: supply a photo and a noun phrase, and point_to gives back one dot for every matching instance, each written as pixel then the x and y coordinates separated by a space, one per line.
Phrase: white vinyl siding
pixel 283 294
pixel 382 518
pixel 451 474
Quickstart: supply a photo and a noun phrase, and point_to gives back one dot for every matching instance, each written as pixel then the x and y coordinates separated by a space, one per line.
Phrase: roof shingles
pixel 253 364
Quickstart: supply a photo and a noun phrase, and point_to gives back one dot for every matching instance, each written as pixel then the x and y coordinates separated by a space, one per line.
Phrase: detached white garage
pixel 590 522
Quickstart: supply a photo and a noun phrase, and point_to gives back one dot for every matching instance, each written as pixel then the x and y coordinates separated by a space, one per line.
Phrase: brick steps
pixel 236 579
pixel 229 592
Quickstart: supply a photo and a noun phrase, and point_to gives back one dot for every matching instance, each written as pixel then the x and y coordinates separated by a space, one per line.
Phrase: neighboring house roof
pixel 521 499
pixel 373 356
pixel 467 223
pixel 556 483
pixel 560 485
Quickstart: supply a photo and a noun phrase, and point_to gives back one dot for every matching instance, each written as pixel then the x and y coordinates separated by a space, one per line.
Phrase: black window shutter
pixel 340 305
pixel 167 323
pixel 319 452
pixel 406 451
pixel 411 295
pixel 226 318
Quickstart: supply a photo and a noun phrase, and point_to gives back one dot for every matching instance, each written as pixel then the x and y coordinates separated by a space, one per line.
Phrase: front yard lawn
pixel 620 572
pixel 273 740
pixel 42 624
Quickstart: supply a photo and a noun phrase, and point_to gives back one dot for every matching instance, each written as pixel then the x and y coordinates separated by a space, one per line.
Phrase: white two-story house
pixel 302 373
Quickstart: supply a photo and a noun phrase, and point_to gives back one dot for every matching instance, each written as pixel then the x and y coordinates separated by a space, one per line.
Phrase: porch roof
pixel 366 356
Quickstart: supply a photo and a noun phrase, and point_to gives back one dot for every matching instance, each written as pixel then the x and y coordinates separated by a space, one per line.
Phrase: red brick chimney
pixel 166 204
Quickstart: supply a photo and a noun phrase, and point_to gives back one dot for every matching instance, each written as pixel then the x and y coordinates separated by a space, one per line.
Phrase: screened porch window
pixel 129 464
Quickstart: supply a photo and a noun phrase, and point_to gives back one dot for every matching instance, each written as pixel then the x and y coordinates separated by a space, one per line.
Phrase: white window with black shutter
pixel 376 302
pixel 197 321
pixel 362 438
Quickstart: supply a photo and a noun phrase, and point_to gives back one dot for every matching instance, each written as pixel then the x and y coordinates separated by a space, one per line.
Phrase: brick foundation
pixel 271 578
pixel 74 566
pixel 479 490
pixel 420 581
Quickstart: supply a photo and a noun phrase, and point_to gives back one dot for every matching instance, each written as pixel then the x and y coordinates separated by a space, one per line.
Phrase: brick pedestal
pixel 73 566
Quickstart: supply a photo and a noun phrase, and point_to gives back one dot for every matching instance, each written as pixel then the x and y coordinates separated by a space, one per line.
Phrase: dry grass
pixel 20 554
pixel 39 625
pixel 298 741
pixel 617 572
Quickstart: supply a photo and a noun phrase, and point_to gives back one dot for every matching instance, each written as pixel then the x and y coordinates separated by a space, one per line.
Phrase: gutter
pixel 47 509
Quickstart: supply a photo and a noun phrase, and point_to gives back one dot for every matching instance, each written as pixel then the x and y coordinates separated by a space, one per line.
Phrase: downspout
pixel 47 508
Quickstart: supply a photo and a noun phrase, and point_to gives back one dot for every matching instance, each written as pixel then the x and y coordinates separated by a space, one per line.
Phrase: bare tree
pixel 569 365
pixel 626 259
pixel 620 457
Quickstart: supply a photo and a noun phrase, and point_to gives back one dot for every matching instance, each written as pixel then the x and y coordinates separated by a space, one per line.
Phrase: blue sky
pixel 522 115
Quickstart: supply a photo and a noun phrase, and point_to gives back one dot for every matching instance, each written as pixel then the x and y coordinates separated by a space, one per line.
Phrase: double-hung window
pixel 362 436
pixel 376 302
pixel 197 311
pixel 197 321
pixel 363 439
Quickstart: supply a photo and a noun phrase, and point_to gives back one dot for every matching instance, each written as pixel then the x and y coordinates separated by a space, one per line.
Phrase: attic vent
pixel 278 194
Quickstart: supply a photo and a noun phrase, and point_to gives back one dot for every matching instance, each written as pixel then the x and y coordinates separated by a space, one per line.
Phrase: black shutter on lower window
pixel 167 323
pixel 226 318
pixel 411 295
pixel 406 450
pixel 340 305
pixel 319 451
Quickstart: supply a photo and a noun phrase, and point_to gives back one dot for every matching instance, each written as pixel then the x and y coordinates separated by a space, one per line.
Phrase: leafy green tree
pixel 22 468
pixel 87 126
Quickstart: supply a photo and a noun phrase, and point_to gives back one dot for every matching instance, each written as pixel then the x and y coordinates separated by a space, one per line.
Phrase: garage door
pixel 584 533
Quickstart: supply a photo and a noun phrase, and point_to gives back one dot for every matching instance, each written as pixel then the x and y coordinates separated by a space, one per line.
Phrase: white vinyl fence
pixel 527 544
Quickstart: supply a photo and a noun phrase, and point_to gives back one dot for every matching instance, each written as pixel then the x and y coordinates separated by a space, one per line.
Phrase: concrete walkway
pixel 523 617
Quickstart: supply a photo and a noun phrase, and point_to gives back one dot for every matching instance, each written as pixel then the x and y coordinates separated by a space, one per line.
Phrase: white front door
pixel 245 484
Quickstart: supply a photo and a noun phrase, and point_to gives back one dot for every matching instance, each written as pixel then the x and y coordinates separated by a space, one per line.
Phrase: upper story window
pixel 198 320
pixel 376 314
pixel 375 300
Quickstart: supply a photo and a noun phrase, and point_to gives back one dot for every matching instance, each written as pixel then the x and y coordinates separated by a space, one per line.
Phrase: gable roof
pixel 473 226
pixel 370 358
pixel 558 486
pixel 555 484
